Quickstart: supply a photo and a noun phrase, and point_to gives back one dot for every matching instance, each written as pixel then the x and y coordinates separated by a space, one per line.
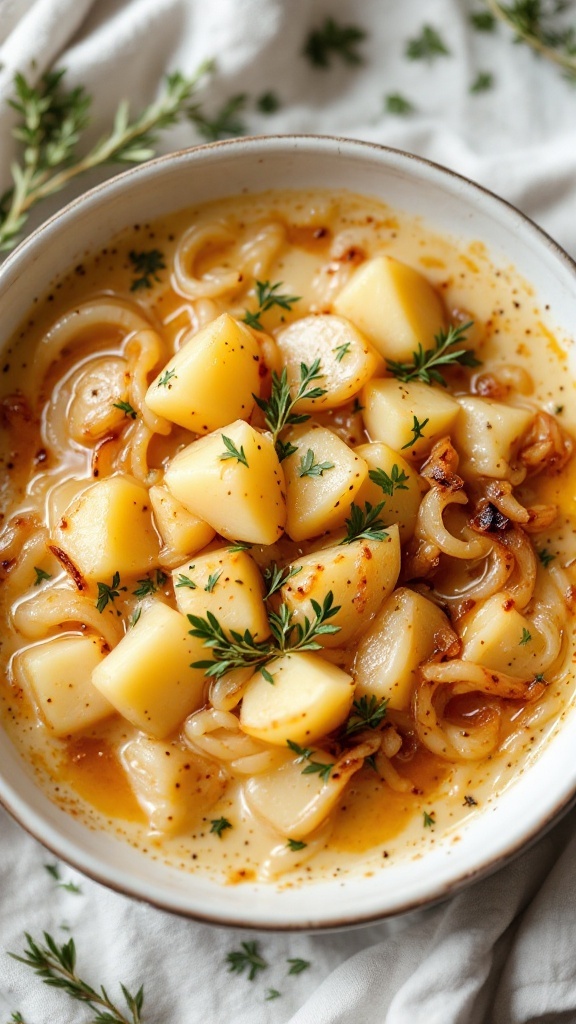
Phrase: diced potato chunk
pixel 360 575
pixel 400 639
pixel 346 359
pixel 321 501
pixel 499 637
pixel 488 435
pixel 294 804
pixel 56 675
pixel 309 698
pixel 394 305
pixel 148 677
pixel 108 528
pixel 389 472
pixel 228 584
pixel 397 413
pixel 241 502
pixel 211 379
pixel 181 530
pixel 176 788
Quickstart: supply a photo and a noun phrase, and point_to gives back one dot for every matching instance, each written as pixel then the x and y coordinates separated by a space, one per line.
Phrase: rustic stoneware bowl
pixel 448 203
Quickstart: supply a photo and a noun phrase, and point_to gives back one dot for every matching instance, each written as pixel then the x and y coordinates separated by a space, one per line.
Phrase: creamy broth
pixel 408 794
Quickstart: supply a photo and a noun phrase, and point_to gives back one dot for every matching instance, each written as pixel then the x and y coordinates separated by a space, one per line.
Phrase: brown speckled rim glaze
pixel 37 825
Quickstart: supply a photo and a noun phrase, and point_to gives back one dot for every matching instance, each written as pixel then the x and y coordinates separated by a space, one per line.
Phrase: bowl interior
pixel 449 204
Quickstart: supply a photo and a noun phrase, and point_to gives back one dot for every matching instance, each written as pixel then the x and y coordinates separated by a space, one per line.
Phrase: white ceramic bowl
pixel 451 204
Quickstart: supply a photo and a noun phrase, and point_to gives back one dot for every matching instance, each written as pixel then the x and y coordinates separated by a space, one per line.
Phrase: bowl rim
pixel 25 815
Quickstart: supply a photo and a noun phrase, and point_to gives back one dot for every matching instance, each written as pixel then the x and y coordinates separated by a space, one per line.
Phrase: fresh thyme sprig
pixel 417 429
pixel 532 21
pixel 278 409
pixel 56 965
pixel 232 452
pixel 128 410
pixel 146 265
pixel 275 578
pixel 310 468
pixel 225 123
pixel 242 650
pixel 108 592
pixel 395 481
pixel 41 576
pixel 367 713
pixel 364 524
pixel 268 296
pixel 51 124
pixel 425 362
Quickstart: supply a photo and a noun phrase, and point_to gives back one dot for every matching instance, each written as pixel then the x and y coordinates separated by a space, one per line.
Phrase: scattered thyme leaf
pixel 54 871
pixel 232 451
pixel 427 46
pixel 268 296
pixel 534 22
pixel 127 409
pixel 296 845
pixel 161 579
pixel 186 581
pixel 240 546
pixel 425 362
pixel 146 586
pixel 212 581
pixel 321 768
pixel 246 958
pixel 297 965
pixel 272 993
pixel 165 378
pixel 367 713
pixel 357 406
pixel 41 576
pixel 284 449
pixel 310 468
pixel 364 524
pixel 469 801
pixel 107 593
pixel 219 825
pixel 483 21
pixel 396 481
pixel 545 557
pixel 275 578
pixel 331 41
pixel 483 82
pixel 526 637
pixel 56 965
pixel 429 819
pixel 341 351
pixel 395 103
pixel 135 617
pixel 146 266
pixel 226 122
pixel 268 103
pixel 417 430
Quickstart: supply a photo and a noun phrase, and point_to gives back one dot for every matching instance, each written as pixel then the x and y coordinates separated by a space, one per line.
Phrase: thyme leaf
pixel 298 965
pixel 246 958
pixel 417 431
pixel 275 578
pixel 395 103
pixel 364 524
pixel 427 46
pixel 425 362
pixel 310 468
pixel 367 713
pixel 396 481
pixel 332 40
pixel 482 83
pixel 107 593
pixel 226 123
pixel 146 266
pixel 321 768
pixel 219 825
pixel 232 451
pixel 41 576
pixel 278 409
pixel 127 409
pixel 268 296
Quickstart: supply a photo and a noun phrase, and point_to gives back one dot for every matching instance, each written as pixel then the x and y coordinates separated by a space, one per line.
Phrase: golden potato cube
pixel 346 359
pixel 226 583
pixel 241 497
pixel 148 677
pixel 320 501
pixel 176 788
pixel 180 530
pixel 308 699
pixel 399 640
pixel 211 379
pixel 108 528
pixel 394 305
pixel 398 413
pixel 360 575
pixel 499 637
pixel 56 675
pixel 389 472
pixel 294 804
pixel 488 434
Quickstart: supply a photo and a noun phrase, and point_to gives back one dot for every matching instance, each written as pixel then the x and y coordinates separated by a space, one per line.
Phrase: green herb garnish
pixel 425 362
pixel 367 713
pixel 297 965
pixel 526 637
pixel 165 378
pixel 146 266
pixel 341 351
pixel 482 83
pixel 232 452
pixel 56 965
pixel 219 825
pixel 395 103
pixel 127 409
pixel 321 768
pixel 108 593
pixel 41 576
pixel 364 524
pixel 212 581
pixel 427 46
pixel 417 431
pixel 395 482
pixel 226 123
pixel 268 296
pixel 278 409
pixel 545 557
pixel 185 581
pixel 310 468
pixel 332 40
pixel 246 958
pixel 296 845
pixel 429 819
pixel 268 103
pixel 275 578
pixel 483 21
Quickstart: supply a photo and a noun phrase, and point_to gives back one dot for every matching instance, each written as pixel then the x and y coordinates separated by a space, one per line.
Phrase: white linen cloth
pixel 504 950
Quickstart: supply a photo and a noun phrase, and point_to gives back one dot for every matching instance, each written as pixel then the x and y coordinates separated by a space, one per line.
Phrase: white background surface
pixel 504 950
